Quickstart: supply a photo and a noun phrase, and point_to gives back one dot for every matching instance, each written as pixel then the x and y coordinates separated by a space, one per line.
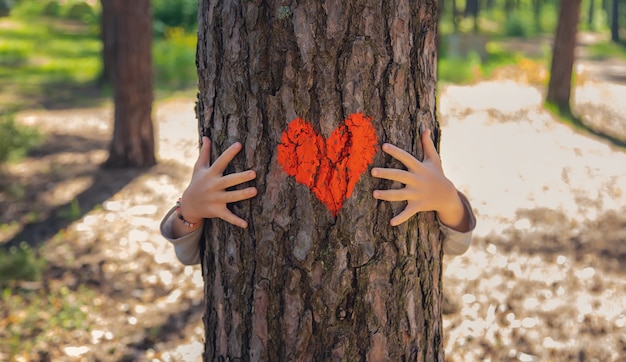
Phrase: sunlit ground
pixel 545 277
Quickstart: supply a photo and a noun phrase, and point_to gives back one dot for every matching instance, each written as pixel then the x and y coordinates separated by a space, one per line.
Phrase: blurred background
pixel 85 274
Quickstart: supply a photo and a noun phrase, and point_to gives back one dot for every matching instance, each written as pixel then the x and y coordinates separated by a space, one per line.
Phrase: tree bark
pixel 559 87
pixel 305 281
pixel 128 60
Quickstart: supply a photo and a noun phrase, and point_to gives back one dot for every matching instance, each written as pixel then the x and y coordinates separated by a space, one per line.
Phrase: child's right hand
pixel 206 196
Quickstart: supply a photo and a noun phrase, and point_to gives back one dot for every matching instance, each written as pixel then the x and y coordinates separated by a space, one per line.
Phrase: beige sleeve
pixel 187 248
pixel 456 242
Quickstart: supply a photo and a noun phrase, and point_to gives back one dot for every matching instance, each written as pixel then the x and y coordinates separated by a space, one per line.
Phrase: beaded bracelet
pixel 180 216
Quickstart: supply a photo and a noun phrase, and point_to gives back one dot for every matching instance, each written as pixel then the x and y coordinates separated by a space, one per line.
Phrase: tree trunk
pixel 315 277
pixel 537 7
pixel 107 35
pixel 559 88
pixel 455 20
pixel 129 61
pixel 591 14
pixel 615 21
pixel 472 8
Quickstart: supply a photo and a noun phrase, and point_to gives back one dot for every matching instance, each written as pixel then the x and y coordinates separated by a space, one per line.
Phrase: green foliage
pixel 175 59
pixel 86 11
pixel 71 213
pixel 472 68
pixel 5 7
pixel 459 70
pixel 13 54
pixel 520 24
pixel 607 49
pixel 20 263
pixel 174 14
pixel 43 58
pixel 16 140
pixel 35 320
pixel 520 21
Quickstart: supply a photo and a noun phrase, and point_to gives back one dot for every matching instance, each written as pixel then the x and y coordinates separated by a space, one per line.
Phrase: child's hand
pixel 206 196
pixel 426 187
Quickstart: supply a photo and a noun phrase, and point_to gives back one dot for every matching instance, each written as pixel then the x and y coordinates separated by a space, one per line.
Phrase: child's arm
pixel 428 189
pixel 206 197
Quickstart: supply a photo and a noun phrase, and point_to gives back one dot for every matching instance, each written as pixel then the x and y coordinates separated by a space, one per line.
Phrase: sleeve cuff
pixel 187 248
pixel 456 242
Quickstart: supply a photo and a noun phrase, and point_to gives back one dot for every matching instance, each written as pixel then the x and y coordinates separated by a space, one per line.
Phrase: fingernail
pixel 243 225
pixel 374 172
pixel 376 194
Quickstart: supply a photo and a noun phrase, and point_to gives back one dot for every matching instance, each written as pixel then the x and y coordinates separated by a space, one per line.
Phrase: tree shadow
pixel 565 113
pixel 551 233
pixel 169 330
pixel 58 96
pixel 60 217
pixel 51 170
pixel 615 141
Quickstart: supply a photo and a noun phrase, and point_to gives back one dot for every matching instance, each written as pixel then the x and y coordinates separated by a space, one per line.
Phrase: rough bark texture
pixel 301 283
pixel 130 71
pixel 560 86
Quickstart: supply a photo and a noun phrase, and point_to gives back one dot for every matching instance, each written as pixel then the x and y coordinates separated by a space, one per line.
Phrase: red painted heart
pixel 332 168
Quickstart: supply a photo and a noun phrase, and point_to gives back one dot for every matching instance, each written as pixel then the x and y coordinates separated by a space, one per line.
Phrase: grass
pixel 20 263
pixel 37 320
pixel 46 62
pixel 174 58
pixel 43 57
pixel 607 49
pixel 16 140
pixel 469 69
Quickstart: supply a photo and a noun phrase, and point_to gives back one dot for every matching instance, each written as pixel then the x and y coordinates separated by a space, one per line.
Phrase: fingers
pixel 222 162
pixel 236 195
pixel 204 157
pixel 392 195
pixel 229 217
pixel 234 179
pixel 233 196
pixel 430 152
pixel 406 214
pixel 411 163
pixel 393 174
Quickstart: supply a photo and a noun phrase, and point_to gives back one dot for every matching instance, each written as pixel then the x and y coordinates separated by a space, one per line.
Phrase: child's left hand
pixel 426 187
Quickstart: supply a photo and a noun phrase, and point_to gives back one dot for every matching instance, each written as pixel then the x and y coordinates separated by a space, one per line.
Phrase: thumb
pixel 204 158
pixel 430 152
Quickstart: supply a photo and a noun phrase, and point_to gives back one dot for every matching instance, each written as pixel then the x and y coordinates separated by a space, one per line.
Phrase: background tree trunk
pixel 128 57
pixel 301 283
pixel 591 15
pixel 107 35
pixel 560 85
pixel 615 21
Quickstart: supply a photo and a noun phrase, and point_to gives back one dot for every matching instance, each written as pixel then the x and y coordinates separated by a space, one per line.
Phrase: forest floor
pixel 545 278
